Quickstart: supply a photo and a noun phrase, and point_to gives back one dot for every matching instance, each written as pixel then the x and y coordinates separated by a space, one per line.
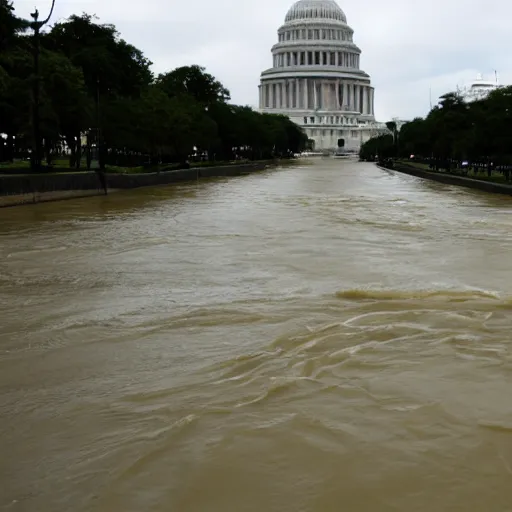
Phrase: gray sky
pixel 408 45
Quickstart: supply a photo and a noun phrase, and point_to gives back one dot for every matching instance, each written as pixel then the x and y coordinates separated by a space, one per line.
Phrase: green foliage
pixel 97 89
pixel 195 82
pixel 10 25
pixel 378 148
pixel 455 131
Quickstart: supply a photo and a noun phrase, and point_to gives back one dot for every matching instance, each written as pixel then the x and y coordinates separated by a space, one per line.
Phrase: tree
pixel 67 110
pixel 193 81
pixel 95 84
pixel 109 65
pixel 10 25
pixel 380 147
pixel 13 77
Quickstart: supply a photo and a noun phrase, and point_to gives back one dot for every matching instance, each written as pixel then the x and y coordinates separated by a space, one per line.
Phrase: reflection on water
pixel 314 338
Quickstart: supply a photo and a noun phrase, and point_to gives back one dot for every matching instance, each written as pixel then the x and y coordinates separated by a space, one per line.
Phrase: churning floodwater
pixel 321 337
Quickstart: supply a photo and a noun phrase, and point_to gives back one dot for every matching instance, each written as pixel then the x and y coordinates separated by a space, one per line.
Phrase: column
pixel 358 98
pixel 296 94
pixel 290 101
pixel 365 100
pixel 338 107
pixel 336 60
pixel 306 103
pixel 271 95
pixel 345 94
pixel 372 91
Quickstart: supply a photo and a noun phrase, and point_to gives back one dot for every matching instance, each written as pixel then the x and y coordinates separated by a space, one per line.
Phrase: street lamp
pixel 36 26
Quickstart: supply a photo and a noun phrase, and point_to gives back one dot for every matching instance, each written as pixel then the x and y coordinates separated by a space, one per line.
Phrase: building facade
pixel 316 78
pixel 478 89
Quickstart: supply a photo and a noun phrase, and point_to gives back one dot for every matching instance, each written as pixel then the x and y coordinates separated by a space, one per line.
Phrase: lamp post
pixel 36 26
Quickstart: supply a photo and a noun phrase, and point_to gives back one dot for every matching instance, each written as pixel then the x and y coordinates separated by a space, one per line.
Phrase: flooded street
pixel 322 337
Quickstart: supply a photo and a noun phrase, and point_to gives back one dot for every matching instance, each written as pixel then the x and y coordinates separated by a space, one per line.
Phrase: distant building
pixel 478 89
pixel 316 80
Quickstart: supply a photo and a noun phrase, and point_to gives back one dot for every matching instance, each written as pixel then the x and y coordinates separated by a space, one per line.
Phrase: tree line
pixel 95 90
pixel 478 133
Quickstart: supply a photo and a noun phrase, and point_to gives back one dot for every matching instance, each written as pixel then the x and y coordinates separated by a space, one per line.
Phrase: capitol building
pixel 316 80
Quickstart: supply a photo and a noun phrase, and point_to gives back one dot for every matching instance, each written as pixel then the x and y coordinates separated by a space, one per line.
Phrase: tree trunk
pixel 88 153
pixel 70 141
pixel 78 160
pixel 9 148
pixel 48 151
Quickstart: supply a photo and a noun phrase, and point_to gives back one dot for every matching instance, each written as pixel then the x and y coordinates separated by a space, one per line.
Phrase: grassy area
pixel 61 166
pixel 496 177
pixel 58 164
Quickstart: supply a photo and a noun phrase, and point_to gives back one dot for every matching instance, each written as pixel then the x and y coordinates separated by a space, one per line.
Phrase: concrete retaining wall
pixel 486 186
pixel 34 188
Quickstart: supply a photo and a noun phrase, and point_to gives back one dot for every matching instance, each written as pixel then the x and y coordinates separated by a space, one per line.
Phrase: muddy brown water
pixel 329 336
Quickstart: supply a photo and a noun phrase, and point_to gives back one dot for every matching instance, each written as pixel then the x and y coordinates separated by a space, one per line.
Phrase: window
pixel 305 120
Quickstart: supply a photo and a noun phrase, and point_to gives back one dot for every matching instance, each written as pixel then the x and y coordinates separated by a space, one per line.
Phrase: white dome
pixel 309 10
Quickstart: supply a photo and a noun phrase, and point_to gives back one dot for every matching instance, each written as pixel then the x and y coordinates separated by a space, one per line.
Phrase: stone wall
pixel 450 179
pixel 34 188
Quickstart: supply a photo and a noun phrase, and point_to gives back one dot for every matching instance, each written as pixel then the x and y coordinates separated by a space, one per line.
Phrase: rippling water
pixel 318 338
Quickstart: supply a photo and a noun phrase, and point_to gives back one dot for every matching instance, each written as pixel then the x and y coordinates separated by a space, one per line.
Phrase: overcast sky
pixel 408 45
